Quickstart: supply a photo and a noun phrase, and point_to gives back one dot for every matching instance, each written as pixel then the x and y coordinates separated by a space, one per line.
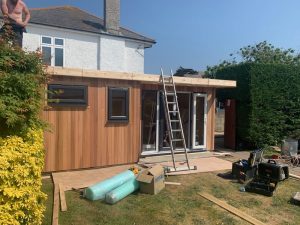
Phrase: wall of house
pixel 80 51
pixel 84 138
pixel 91 51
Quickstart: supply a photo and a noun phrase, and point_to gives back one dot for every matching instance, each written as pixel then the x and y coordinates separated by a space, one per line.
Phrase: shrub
pixel 21 163
pixel 22 81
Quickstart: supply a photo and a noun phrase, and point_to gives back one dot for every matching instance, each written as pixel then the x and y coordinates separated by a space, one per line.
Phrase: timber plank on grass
pixel 231 209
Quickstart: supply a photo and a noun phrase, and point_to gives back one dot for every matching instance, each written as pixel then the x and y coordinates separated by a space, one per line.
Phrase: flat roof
pixel 142 78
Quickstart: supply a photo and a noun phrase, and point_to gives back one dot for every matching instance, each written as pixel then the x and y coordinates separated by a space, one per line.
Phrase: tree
pixel 262 52
pixel 180 72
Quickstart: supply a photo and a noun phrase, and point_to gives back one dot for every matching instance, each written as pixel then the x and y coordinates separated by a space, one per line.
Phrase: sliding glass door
pixel 193 110
pixel 199 121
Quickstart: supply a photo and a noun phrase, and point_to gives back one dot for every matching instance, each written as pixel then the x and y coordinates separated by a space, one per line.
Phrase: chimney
pixel 112 16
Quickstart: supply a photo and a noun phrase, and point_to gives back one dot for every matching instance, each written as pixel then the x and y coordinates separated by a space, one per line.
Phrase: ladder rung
pixel 173 111
pixel 170 93
pixel 177 140
pixel 171 102
pixel 178 169
pixel 174 121
pixel 176 130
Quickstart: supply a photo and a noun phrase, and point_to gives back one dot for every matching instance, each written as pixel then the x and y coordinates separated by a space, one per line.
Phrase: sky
pixel 200 33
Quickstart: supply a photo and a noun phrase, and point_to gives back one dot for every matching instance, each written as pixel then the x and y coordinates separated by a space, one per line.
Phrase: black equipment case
pixel 267 178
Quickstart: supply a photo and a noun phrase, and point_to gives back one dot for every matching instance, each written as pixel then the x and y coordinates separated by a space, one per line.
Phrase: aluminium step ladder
pixel 174 123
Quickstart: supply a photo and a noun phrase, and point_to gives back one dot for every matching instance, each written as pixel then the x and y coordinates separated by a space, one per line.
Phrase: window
pixel 118 104
pixel 67 95
pixel 53 51
pixel 46 55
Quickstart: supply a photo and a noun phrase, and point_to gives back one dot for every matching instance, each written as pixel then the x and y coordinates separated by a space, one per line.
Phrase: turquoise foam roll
pixel 98 191
pixel 121 192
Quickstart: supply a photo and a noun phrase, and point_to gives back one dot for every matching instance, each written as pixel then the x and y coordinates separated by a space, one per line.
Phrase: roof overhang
pixel 142 78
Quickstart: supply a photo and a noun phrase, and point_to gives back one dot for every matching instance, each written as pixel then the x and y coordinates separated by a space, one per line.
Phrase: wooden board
pixel 62 197
pixel 55 210
pixel 172 183
pixel 294 176
pixel 143 78
pixel 84 178
pixel 231 209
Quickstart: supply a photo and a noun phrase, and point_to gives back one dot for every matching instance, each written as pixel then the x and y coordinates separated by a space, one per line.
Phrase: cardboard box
pixel 152 181
pixel 296 198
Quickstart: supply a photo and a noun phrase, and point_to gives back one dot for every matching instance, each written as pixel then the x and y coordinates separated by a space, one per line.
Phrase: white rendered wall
pixel 91 51
pixel 117 54
pixel 80 51
pixel 112 54
pixel 134 57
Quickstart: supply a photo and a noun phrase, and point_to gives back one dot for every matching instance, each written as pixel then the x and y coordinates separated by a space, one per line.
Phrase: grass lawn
pixel 181 205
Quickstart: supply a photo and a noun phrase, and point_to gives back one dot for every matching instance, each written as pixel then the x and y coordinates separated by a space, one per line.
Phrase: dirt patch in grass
pixel 182 205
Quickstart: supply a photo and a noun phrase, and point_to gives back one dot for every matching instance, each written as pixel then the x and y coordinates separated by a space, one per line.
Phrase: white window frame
pixel 53 46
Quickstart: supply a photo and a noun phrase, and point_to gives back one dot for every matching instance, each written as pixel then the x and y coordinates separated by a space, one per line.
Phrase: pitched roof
pixel 73 18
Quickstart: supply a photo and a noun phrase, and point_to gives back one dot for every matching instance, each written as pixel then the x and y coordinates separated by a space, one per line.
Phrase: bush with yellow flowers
pixel 21 163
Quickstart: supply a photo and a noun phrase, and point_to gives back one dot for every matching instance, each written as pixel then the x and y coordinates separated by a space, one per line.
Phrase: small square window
pixel 67 95
pixel 47 40
pixel 118 104
pixel 46 52
pixel 59 41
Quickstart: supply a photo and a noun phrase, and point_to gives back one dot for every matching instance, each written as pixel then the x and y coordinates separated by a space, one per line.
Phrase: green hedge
pixel 268 102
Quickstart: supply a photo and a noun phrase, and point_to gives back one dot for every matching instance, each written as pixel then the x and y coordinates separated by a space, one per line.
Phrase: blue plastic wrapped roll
pixel 121 192
pixel 98 191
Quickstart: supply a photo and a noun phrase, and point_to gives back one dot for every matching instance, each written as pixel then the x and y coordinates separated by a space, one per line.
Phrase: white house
pixel 72 38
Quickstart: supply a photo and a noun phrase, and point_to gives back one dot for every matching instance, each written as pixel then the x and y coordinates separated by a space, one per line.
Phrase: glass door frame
pixel 195 96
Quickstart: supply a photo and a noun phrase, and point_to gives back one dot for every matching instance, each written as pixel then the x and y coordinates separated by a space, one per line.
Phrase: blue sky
pixel 198 33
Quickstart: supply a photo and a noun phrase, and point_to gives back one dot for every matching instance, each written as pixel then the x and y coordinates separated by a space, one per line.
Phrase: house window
pixel 67 95
pixel 118 104
pixel 53 51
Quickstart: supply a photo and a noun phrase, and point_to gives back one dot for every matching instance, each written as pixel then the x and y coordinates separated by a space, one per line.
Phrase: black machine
pixel 244 170
pixel 267 177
